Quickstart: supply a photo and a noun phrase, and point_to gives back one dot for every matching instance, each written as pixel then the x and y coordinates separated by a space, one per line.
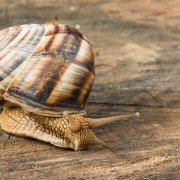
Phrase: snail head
pixel 81 133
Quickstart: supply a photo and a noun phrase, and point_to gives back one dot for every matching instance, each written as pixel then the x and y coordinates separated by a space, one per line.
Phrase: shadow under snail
pixel 46 75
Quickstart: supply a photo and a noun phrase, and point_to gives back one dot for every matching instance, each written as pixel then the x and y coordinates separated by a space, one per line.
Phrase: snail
pixel 46 74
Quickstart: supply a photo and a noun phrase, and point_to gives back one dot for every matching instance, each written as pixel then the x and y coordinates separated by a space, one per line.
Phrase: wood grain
pixel 137 69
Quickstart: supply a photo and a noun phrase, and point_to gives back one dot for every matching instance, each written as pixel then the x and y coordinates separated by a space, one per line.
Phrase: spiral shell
pixel 46 69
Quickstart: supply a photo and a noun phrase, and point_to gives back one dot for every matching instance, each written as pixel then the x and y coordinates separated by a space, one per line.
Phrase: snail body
pixel 46 74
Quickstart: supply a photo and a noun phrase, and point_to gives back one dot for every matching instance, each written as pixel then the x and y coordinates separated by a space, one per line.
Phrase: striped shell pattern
pixel 46 69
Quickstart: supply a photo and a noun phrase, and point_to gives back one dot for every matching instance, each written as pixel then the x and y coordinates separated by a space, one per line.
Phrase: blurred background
pixel 137 52
pixel 133 41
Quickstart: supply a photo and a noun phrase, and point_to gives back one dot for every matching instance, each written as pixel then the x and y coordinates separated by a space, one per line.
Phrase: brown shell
pixel 46 69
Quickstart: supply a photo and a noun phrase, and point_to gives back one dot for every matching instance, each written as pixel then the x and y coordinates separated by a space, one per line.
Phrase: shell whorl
pixel 46 69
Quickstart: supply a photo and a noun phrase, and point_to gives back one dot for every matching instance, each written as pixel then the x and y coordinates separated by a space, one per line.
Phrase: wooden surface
pixel 137 47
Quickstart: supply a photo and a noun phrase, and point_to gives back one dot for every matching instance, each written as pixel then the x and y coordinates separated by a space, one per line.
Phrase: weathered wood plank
pixel 146 148
pixel 138 68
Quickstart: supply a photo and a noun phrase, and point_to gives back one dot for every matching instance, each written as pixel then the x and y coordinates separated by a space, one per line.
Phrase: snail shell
pixel 46 69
